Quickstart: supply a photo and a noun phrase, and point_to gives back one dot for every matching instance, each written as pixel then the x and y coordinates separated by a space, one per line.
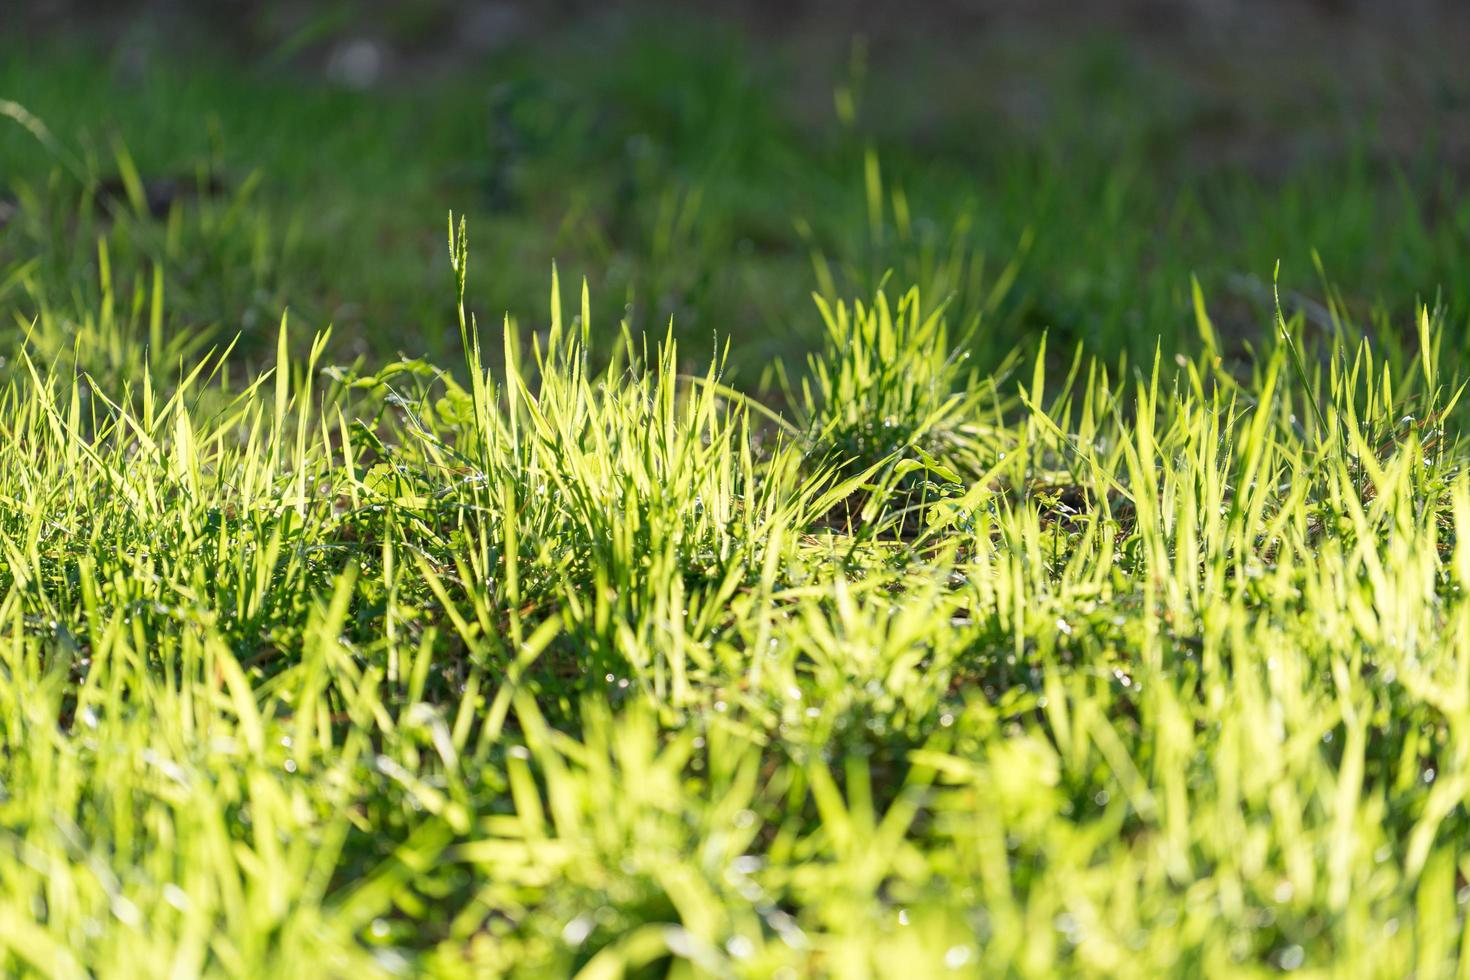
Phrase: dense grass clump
pixel 578 661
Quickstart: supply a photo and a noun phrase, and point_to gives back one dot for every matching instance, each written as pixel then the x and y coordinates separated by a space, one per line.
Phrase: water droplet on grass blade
pixel 576 931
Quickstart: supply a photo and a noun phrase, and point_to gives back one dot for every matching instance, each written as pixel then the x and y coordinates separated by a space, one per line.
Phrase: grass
pixel 565 669
pixel 925 646
pixel 681 182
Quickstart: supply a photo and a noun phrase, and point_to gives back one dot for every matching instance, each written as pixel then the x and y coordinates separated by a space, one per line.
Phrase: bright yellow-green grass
pixel 581 662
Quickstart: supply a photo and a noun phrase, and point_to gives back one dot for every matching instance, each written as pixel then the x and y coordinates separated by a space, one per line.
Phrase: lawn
pixel 759 536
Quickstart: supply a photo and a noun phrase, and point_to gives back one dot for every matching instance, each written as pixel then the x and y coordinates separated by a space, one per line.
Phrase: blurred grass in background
pixel 1063 173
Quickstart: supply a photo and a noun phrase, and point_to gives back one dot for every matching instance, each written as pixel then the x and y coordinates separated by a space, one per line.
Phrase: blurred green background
pixel 1042 165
